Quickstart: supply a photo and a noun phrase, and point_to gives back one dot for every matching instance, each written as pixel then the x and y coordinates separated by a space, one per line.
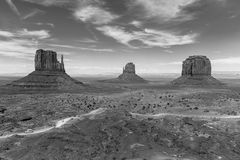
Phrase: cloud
pixel 45 24
pixel 41 34
pixel 94 15
pixel 49 2
pixel 163 10
pixel 87 40
pixel 18 48
pixel 13 7
pixel 136 23
pixel 82 48
pixel 25 33
pixel 148 37
pixel 21 43
pixel 90 11
pixel 6 34
pixel 33 13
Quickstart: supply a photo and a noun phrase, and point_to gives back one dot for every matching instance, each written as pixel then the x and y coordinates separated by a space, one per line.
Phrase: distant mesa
pixel 196 70
pixel 128 76
pixel 49 74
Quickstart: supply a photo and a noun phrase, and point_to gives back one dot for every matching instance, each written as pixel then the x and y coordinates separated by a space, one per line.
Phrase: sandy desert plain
pixel 152 121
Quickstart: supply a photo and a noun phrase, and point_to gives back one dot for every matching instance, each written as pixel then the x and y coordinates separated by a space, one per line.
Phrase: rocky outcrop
pixel 47 61
pixel 128 76
pixel 129 68
pixel 196 70
pixel 196 65
pixel 49 74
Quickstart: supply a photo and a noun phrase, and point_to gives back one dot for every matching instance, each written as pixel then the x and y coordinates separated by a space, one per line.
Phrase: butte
pixel 196 70
pixel 128 76
pixel 49 74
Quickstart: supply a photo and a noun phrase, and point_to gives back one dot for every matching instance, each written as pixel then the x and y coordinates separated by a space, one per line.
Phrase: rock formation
pixel 196 65
pixel 196 70
pixel 128 76
pixel 47 61
pixel 49 74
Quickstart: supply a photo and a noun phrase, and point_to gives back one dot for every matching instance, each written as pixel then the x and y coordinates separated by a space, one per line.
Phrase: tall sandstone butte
pixel 47 61
pixel 196 65
pixel 49 74
pixel 196 70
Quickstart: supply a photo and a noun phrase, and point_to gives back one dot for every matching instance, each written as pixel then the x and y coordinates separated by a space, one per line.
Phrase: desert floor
pixel 152 121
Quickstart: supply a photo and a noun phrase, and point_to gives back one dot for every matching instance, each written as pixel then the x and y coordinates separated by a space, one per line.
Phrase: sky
pixel 101 36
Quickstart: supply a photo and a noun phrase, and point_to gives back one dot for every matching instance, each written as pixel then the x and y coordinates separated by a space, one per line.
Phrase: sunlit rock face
pixel 196 66
pixel 196 70
pixel 47 61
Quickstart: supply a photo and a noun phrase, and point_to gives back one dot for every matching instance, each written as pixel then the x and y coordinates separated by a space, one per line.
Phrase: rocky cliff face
pixel 196 70
pixel 129 68
pixel 196 66
pixel 47 61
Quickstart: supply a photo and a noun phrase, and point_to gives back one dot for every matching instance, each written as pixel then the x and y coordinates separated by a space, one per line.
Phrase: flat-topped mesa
pixel 196 66
pixel 196 70
pixel 129 68
pixel 47 61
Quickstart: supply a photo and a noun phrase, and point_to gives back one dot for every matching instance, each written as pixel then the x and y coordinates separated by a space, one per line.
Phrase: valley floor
pixel 151 121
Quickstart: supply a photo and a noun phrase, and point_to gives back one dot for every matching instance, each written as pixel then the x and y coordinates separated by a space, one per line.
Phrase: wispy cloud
pixel 136 23
pixel 49 2
pixel 45 24
pixel 40 34
pixel 148 37
pixel 164 10
pixel 33 13
pixel 25 33
pixel 94 15
pixel 6 34
pixel 89 11
pixel 13 7
pixel 18 48
pixel 82 48
pixel 87 40
pixel 21 43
